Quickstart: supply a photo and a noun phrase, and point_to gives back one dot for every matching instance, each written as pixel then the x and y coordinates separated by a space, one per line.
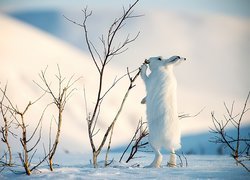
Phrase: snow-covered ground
pixel 77 167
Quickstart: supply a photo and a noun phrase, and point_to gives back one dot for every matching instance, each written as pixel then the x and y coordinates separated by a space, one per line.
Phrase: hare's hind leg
pixel 157 160
pixel 172 160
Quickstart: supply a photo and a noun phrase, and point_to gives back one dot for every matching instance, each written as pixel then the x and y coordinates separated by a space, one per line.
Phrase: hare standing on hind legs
pixel 161 107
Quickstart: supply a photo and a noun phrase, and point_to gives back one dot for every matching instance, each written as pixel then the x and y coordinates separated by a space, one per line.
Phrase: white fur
pixel 162 116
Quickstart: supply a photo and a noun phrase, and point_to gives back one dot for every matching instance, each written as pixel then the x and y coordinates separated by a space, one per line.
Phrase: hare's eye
pixel 159 58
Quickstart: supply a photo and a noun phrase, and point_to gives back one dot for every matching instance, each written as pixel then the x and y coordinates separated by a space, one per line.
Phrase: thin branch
pixel 86 16
pixel 99 56
pixel 182 116
pixel 39 122
pixel 116 81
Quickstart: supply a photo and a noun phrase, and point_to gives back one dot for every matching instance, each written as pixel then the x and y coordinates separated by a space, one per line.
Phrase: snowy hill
pixel 26 51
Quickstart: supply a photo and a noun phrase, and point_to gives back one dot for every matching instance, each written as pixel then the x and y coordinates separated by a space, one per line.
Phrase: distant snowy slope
pixel 201 143
pixel 25 51
pixel 205 80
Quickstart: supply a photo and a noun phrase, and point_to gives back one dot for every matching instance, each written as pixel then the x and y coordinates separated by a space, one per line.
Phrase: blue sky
pixel 233 7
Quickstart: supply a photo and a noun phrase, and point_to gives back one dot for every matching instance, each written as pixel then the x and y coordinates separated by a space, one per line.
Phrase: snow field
pixel 77 167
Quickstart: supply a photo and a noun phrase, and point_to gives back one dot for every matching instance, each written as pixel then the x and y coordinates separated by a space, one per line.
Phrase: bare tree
pixel 101 61
pixel 59 99
pixel 19 117
pixel 238 145
pixel 5 129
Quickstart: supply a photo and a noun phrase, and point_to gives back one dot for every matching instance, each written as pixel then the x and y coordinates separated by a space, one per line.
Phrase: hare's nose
pixel 146 61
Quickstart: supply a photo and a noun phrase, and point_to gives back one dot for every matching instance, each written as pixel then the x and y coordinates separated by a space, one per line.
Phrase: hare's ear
pixel 143 101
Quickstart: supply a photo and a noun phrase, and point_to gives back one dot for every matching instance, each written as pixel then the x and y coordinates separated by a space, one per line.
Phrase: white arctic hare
pixel 162 116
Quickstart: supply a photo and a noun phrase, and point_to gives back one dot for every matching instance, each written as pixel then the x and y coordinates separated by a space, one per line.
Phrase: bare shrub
pixel 27 144
pixel 140 133
pixel 101 61
pixel 59 99
pixel 5 130
pixel 238 145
